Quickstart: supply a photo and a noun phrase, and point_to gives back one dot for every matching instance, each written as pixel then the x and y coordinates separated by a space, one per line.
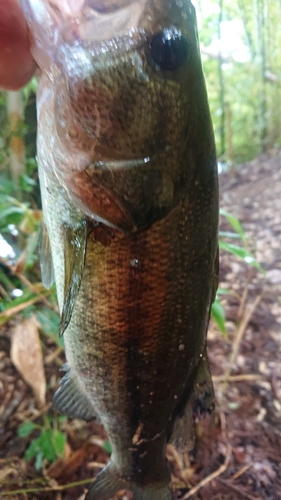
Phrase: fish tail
pixel 108 483
pixel 151 493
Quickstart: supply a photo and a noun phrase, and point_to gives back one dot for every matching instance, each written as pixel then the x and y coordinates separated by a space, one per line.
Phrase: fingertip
pixel 16 62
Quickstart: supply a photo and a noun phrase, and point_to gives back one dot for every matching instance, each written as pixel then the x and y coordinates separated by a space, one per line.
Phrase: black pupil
pixel 169 49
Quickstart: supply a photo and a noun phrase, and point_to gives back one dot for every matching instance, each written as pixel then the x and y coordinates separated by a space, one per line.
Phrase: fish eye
pixel 169 49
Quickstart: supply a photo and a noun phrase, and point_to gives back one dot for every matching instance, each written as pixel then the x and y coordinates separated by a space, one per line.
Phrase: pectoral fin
pixel 203 396
pixel 74 241
pixel 201 401
pixel 70 399
pixel 183 432
pixel 46 261
pixel 216 276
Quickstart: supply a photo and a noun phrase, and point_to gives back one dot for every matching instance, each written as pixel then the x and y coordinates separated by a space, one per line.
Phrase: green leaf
pixel 59 441
pixel 11 215
pixel 234 405
pixel 234 222
pixel 31 165
pixel 218 315
pixel 25 297
pixel 49 445
pixel 49 321
pixel 4 280
pixel 31 87
pixel 107 447
pixel 6 187
pixel 242 253
pixel 227 234
pixel 31 250
pixel 39 460
pixel 26 429
pixel 61 419
pixel 32 449
pixel 26 183
pixel 46 445
pixel 223 291
pixel 4 320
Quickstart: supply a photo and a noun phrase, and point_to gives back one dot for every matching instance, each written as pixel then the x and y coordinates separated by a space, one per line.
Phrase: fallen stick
pixel 239 335
pixel 212 476
pixel 248 377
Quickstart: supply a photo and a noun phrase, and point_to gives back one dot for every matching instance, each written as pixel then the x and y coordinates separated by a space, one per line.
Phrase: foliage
pixel 218 314
pixel 241 252
pixel 251 70
pixel 107 447
pixel 20 222
pixel 49 443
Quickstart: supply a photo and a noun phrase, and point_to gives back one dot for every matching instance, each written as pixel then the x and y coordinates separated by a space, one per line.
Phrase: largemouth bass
pixel 128 178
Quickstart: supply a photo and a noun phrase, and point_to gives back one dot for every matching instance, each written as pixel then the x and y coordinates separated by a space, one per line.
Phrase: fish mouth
pixel 109 19
pixel 61 25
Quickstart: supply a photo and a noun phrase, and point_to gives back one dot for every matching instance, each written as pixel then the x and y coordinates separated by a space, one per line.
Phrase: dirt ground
pixel 237 452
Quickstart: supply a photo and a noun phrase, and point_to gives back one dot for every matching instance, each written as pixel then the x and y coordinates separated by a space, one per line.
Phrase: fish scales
pixel 130 203
pixel 136 316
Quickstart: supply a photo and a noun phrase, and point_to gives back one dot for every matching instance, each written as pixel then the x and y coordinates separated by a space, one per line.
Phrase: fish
pixel 128 176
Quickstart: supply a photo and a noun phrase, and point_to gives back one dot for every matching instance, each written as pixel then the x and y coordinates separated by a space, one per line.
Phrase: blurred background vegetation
pixel 240 44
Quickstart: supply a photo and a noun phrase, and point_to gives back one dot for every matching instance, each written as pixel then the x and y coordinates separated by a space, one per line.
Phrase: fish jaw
pixel 120 127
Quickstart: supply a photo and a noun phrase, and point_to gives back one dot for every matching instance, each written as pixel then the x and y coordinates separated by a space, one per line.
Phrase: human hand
pixel 16 62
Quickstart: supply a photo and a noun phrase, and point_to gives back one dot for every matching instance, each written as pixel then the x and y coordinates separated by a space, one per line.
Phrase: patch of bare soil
pixel 237 452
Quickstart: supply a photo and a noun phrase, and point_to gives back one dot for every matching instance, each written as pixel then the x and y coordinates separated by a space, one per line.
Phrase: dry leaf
pixel 26 354
pixel 4 473
pixel 65 467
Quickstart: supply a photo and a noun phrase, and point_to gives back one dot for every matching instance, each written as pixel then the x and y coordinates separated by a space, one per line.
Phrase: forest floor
pixel 237 452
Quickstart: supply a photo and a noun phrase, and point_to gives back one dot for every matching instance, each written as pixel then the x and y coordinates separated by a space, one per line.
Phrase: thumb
pixel 16 63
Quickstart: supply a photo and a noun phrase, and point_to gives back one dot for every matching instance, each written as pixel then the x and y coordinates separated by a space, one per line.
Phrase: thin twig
pixel 49 488
pixel 241 471
pixel 26 481
pixel 27 283
pixel 3 291
pixel 242 494
pixel 243 300
pixel 238 338
pixel 95 465
pixel 242 327
pixel 221 469
pixel 51 357
pixel 34 290
pixel 8 313
pixel 248 377
pixel 212 476
pixel 40 412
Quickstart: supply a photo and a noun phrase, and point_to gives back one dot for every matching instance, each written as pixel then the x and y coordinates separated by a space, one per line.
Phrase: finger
pixel 16 63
